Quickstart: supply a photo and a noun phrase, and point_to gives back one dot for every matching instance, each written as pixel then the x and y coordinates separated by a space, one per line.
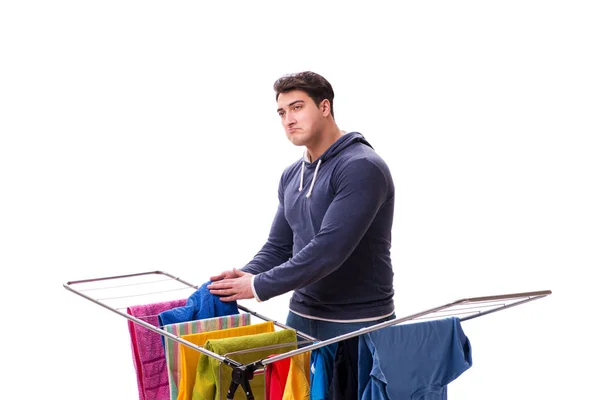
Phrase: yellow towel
pixel 297 385
pixel 209 370
pixel 189 357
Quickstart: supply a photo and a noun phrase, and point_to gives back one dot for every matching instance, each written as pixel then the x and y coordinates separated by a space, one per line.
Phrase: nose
pixel 289 119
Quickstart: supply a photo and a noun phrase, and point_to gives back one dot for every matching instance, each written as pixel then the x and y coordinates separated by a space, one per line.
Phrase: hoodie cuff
pixel 254 290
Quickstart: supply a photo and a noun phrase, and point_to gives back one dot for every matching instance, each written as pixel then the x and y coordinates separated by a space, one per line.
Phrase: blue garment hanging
pixel 412 361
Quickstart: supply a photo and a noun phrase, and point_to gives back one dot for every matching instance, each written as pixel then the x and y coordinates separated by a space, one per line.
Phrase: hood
pixel 344 141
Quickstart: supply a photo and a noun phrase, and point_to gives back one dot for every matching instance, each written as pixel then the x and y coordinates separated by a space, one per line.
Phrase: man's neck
pixel 329 138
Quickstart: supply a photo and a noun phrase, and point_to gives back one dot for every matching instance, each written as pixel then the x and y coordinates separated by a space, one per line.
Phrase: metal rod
pixel 504 296
pixel 279 324
pixel 531 295
pixel 112 277
pixel 502 308
pixel 348 336
pixel 267 347
pixel 147 325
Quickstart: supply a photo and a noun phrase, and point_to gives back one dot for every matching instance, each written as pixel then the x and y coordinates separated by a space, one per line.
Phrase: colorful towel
pixel 200 305
pixel 187 328
pixel 148 352
pixel 297 385
pixel 211 371
pixel 189 357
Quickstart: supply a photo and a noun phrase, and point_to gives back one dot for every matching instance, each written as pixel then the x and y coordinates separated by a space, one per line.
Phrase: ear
pixel 325 107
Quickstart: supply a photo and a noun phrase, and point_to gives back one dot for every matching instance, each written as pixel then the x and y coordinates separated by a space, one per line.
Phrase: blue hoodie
pixel 331 237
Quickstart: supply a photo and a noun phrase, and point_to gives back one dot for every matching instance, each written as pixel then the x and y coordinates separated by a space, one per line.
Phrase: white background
pixel 142 135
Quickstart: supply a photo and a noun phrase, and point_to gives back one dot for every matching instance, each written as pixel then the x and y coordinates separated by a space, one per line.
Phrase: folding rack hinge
pixel 241 376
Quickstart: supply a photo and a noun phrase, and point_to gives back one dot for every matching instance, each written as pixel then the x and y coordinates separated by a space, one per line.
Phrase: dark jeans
pixel 324 330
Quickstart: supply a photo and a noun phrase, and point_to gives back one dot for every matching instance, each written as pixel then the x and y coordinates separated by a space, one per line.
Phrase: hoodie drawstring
pixel 312 184
pixel 301 177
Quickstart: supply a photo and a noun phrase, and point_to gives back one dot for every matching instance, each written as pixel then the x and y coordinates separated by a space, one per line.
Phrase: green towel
pixel 206 386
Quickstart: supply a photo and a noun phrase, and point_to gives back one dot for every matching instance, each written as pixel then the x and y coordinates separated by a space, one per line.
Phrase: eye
pixel 281 113
pixel 297 107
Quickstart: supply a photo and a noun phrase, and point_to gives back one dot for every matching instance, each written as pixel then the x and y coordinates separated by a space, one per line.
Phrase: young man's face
pixel 301 118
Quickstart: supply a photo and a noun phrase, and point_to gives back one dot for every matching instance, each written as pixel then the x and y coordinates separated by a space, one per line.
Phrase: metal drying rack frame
pixel 464 309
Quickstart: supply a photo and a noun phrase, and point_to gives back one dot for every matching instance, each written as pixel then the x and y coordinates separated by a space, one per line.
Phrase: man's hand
pixel 232 285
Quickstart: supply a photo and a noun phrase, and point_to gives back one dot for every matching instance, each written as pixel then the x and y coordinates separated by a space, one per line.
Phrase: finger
pixel 222 284
pixel 228 298
pixel 223 291
pixel 215 289
pixel 217 277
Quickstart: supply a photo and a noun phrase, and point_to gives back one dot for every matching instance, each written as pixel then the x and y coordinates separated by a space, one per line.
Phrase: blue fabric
pixel 412 362
pixel 321 370
pixel 333 247
pixel 200 305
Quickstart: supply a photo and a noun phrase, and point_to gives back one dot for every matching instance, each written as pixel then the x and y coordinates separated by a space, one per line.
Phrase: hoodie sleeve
pixel 361 189
pixel 279 245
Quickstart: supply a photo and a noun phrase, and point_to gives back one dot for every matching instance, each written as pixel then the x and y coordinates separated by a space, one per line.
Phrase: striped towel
pixel 187 328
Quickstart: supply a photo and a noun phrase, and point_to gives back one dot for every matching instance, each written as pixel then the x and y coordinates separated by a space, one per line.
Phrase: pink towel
pixel 148 351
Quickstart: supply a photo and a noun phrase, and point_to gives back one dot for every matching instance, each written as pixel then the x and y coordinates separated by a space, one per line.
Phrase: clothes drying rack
pixel 108 292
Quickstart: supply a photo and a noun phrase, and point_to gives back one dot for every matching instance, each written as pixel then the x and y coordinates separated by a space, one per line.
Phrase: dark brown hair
pixel 313 84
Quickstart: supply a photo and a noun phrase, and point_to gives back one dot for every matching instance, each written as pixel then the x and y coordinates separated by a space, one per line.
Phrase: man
pixel 331 237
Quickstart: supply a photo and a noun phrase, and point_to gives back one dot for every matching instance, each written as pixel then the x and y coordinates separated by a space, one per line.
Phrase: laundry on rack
pixel 200 305
pixel 213 378
pixel 297 386
pixel 276 375
pixel 415 361
pixel 344 380
pixel 288 378
pixel 189 357
pixel 412 361
pixel 321 370
pixel 191 327
pixel 148 352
